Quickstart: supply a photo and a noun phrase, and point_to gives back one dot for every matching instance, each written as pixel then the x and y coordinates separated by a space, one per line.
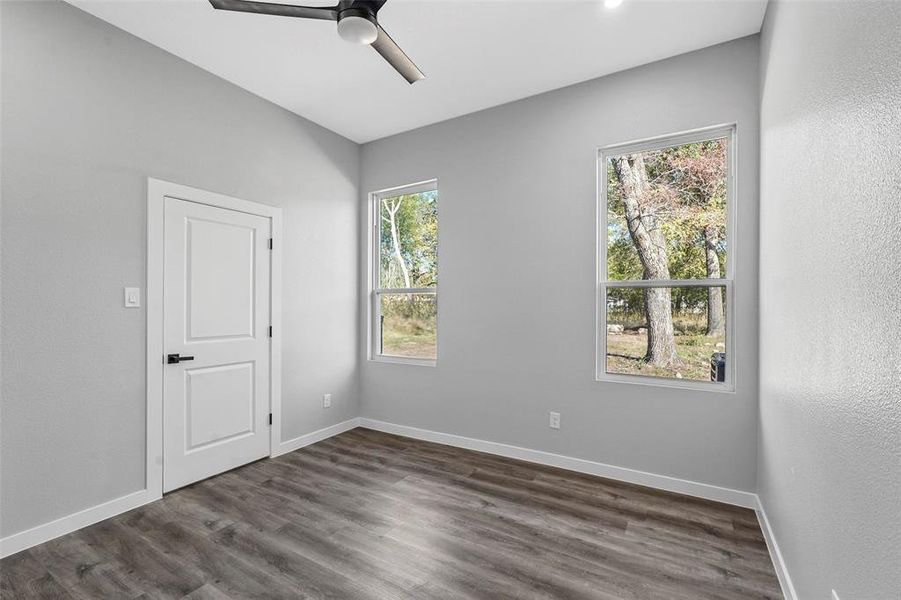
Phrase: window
pixel 404 307
pixel 665 262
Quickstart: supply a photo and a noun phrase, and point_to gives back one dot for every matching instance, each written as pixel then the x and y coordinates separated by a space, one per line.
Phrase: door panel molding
pixel 157 192
pixel 194 441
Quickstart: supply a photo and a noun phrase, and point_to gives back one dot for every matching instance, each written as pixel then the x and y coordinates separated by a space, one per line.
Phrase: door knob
pixel 175 358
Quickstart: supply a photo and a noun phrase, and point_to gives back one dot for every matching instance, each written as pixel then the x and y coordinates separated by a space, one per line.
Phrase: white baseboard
pixel 662 482
pixel 316 436
pixel 785 580
pixel 59 527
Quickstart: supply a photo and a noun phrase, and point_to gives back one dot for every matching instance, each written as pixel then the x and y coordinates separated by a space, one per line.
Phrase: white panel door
pixel 216 320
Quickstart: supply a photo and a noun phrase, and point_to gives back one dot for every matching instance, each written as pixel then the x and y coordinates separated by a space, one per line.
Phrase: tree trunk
pixel 392 211
pixel 661 337
pixel 716 322
pixel 648 239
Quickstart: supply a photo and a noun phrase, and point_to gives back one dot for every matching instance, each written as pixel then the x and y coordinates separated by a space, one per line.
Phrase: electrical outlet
pixel 326 400
pixel 555 420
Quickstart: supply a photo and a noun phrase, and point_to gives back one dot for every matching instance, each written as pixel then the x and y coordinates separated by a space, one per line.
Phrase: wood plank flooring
pixel 371 515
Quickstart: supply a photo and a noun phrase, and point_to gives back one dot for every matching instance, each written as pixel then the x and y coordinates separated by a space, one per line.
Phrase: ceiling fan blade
pixel 391 52
pixel 327 13
pixel 374 5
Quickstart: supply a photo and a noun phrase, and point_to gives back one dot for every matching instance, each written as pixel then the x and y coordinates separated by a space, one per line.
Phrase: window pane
pixel 409 325
pixel 408 240
pixel 677 332
pixel 666 213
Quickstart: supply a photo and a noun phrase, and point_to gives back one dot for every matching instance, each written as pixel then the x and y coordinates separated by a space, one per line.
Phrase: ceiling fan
pixel 357 23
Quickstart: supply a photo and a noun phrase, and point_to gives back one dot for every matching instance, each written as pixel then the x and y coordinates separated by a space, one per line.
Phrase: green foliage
pixel 409 306
pixel 694 179
pixel 416 222
pixel 625 306
pixel 688 184
pixel 409 327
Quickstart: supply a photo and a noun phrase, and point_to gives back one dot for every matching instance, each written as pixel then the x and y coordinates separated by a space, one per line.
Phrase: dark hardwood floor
pixel 371 515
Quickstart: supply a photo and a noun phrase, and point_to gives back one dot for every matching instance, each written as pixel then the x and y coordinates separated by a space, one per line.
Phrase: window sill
pixel 679 384
pixel 401 360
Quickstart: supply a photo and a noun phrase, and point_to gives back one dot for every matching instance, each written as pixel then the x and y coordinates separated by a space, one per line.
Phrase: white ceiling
pixel 475 53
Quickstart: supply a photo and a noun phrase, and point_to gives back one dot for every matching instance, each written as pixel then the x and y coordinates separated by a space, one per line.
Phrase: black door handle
pixel 175 358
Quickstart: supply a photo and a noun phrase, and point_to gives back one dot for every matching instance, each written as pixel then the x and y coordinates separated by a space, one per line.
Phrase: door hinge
pixel 270 243
pixel 270 331
pixel 270 418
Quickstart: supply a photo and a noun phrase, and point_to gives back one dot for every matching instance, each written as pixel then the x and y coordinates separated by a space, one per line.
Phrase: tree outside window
pixel 405 299
pixel 664 277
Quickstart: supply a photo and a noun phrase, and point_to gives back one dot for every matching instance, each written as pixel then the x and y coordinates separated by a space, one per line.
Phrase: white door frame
pixel 157 192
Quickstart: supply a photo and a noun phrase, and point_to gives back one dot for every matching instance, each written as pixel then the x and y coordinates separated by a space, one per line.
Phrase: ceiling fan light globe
pixel 357 30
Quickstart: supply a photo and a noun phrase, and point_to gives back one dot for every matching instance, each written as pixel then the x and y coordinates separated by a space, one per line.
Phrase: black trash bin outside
pixel 718 366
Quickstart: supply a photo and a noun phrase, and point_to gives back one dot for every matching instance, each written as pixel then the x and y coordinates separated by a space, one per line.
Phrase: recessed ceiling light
pixel 612 3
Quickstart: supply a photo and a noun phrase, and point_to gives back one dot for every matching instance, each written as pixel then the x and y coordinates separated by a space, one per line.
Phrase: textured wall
pixel 830 287
pixel 88 113
pixel 517 259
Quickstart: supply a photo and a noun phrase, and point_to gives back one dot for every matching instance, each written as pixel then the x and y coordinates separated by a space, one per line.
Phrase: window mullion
pixel 651 283
pixel 428 290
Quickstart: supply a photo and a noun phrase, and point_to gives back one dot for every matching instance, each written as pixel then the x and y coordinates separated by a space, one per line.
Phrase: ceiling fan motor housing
pixel 357 25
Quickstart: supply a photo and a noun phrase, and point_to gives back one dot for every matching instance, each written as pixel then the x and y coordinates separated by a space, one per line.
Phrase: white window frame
pixel 375 291
pixel 727 131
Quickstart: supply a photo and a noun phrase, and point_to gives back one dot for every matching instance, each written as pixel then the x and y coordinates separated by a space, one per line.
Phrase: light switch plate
pixel 554 420
pixel 132 297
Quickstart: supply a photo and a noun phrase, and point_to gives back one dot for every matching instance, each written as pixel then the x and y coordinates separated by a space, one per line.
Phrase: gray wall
pixel 88 113
pixel 517 274
pixel 830 263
